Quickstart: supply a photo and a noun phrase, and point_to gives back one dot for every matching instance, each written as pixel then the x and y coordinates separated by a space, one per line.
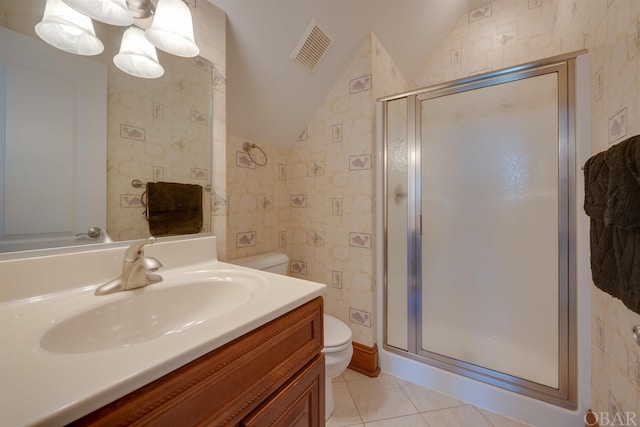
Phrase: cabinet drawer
pixel 222 387
pixel 299 403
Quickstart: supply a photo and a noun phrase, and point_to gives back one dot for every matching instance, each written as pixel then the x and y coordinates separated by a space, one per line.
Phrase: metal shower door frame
pixel 566 393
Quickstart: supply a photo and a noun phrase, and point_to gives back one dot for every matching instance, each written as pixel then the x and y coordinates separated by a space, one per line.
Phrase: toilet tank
pixel 273 262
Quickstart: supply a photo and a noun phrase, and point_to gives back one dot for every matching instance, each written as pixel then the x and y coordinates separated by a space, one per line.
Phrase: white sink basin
pixel 92 350
pixel 144 314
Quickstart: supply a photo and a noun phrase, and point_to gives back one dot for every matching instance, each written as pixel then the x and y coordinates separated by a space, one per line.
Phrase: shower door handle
pixel 399 195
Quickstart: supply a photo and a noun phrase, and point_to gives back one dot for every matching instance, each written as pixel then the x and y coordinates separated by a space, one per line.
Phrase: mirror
pixel 156 130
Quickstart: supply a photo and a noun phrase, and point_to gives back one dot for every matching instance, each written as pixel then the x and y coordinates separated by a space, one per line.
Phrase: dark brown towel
pixel 623 201
pixel 174 208
pixel 612 201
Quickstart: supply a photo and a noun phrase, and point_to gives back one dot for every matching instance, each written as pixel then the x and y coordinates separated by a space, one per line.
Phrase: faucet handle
pixel 136 250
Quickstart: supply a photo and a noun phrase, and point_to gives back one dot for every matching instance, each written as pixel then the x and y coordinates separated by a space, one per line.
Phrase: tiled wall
pixel 258 200
pixel 161 130
pixel 209 26
pixel 158 130
pixel 614 43
pixel 333 235
pixel 332 194
pixel 507 33
pixel 315 202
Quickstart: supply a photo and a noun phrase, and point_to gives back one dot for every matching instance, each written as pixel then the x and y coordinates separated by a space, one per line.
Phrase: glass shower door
pixel 397 194
pixel 490 218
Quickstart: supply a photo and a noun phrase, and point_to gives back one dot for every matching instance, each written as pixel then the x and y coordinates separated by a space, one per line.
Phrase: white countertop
pixel 43 387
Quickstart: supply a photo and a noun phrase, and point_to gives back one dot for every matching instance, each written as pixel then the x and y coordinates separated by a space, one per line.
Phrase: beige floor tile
pixel 407 421
pixel 336 423
pixel 345 412
pixel 387 401
pixel 500 420
pixel 380 398
pixel 460 416
pixel 350 375
pixel 338 379
pixel 428 400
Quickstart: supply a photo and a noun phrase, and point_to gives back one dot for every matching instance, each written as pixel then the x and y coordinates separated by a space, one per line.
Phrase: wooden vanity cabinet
pixel 273 375
pixel 297 404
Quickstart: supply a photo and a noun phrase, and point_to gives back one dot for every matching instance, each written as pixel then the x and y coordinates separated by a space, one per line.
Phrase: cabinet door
pixel 299 403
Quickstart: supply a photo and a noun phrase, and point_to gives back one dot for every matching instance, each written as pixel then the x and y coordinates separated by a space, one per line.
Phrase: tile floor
pixel 387 401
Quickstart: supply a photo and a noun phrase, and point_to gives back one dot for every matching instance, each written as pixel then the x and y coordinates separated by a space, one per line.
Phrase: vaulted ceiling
pixel 271 98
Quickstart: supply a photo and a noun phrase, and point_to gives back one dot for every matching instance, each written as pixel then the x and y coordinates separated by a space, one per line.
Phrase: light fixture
pixel 172 29
pixel 67 25
pixel 67 29
pixel 137 56
pixel 113 12
pixel 141 9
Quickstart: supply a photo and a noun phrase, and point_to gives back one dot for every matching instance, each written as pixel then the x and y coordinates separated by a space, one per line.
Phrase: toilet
pixel 337 336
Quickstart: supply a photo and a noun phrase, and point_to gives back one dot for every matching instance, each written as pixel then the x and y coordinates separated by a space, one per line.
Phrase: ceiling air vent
pixel 312 47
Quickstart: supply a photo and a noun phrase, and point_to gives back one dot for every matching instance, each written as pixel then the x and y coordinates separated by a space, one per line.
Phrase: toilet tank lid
pixel 262 261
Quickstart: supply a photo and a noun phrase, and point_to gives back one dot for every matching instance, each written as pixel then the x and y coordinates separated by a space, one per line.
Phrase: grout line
pixel 462 403
pixel 446 407
pixel 425 420
pixel 406 398
pixel 406 395
pixel 482 415
pixel 355 405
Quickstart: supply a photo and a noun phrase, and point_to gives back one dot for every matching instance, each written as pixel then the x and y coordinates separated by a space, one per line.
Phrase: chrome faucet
pixel 137 270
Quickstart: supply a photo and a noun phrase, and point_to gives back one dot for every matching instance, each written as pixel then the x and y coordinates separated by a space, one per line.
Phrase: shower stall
pixel 478 222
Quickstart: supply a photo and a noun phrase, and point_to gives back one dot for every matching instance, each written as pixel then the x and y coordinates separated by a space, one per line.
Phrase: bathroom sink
pixel 94 349
pixel 144 314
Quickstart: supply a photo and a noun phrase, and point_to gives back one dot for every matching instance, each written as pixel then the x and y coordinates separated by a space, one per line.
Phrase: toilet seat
pixel 337 335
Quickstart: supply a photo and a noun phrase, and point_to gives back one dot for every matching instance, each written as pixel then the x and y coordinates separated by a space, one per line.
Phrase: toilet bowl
pixel 337 355
pixel 337 336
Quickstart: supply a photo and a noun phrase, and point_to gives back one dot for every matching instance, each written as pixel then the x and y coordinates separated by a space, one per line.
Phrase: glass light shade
pixel 67 29
pixel 172 29
pixel 113 12
pixel 137 56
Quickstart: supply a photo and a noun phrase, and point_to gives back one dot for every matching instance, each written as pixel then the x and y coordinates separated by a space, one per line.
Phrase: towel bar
pixel 136 183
